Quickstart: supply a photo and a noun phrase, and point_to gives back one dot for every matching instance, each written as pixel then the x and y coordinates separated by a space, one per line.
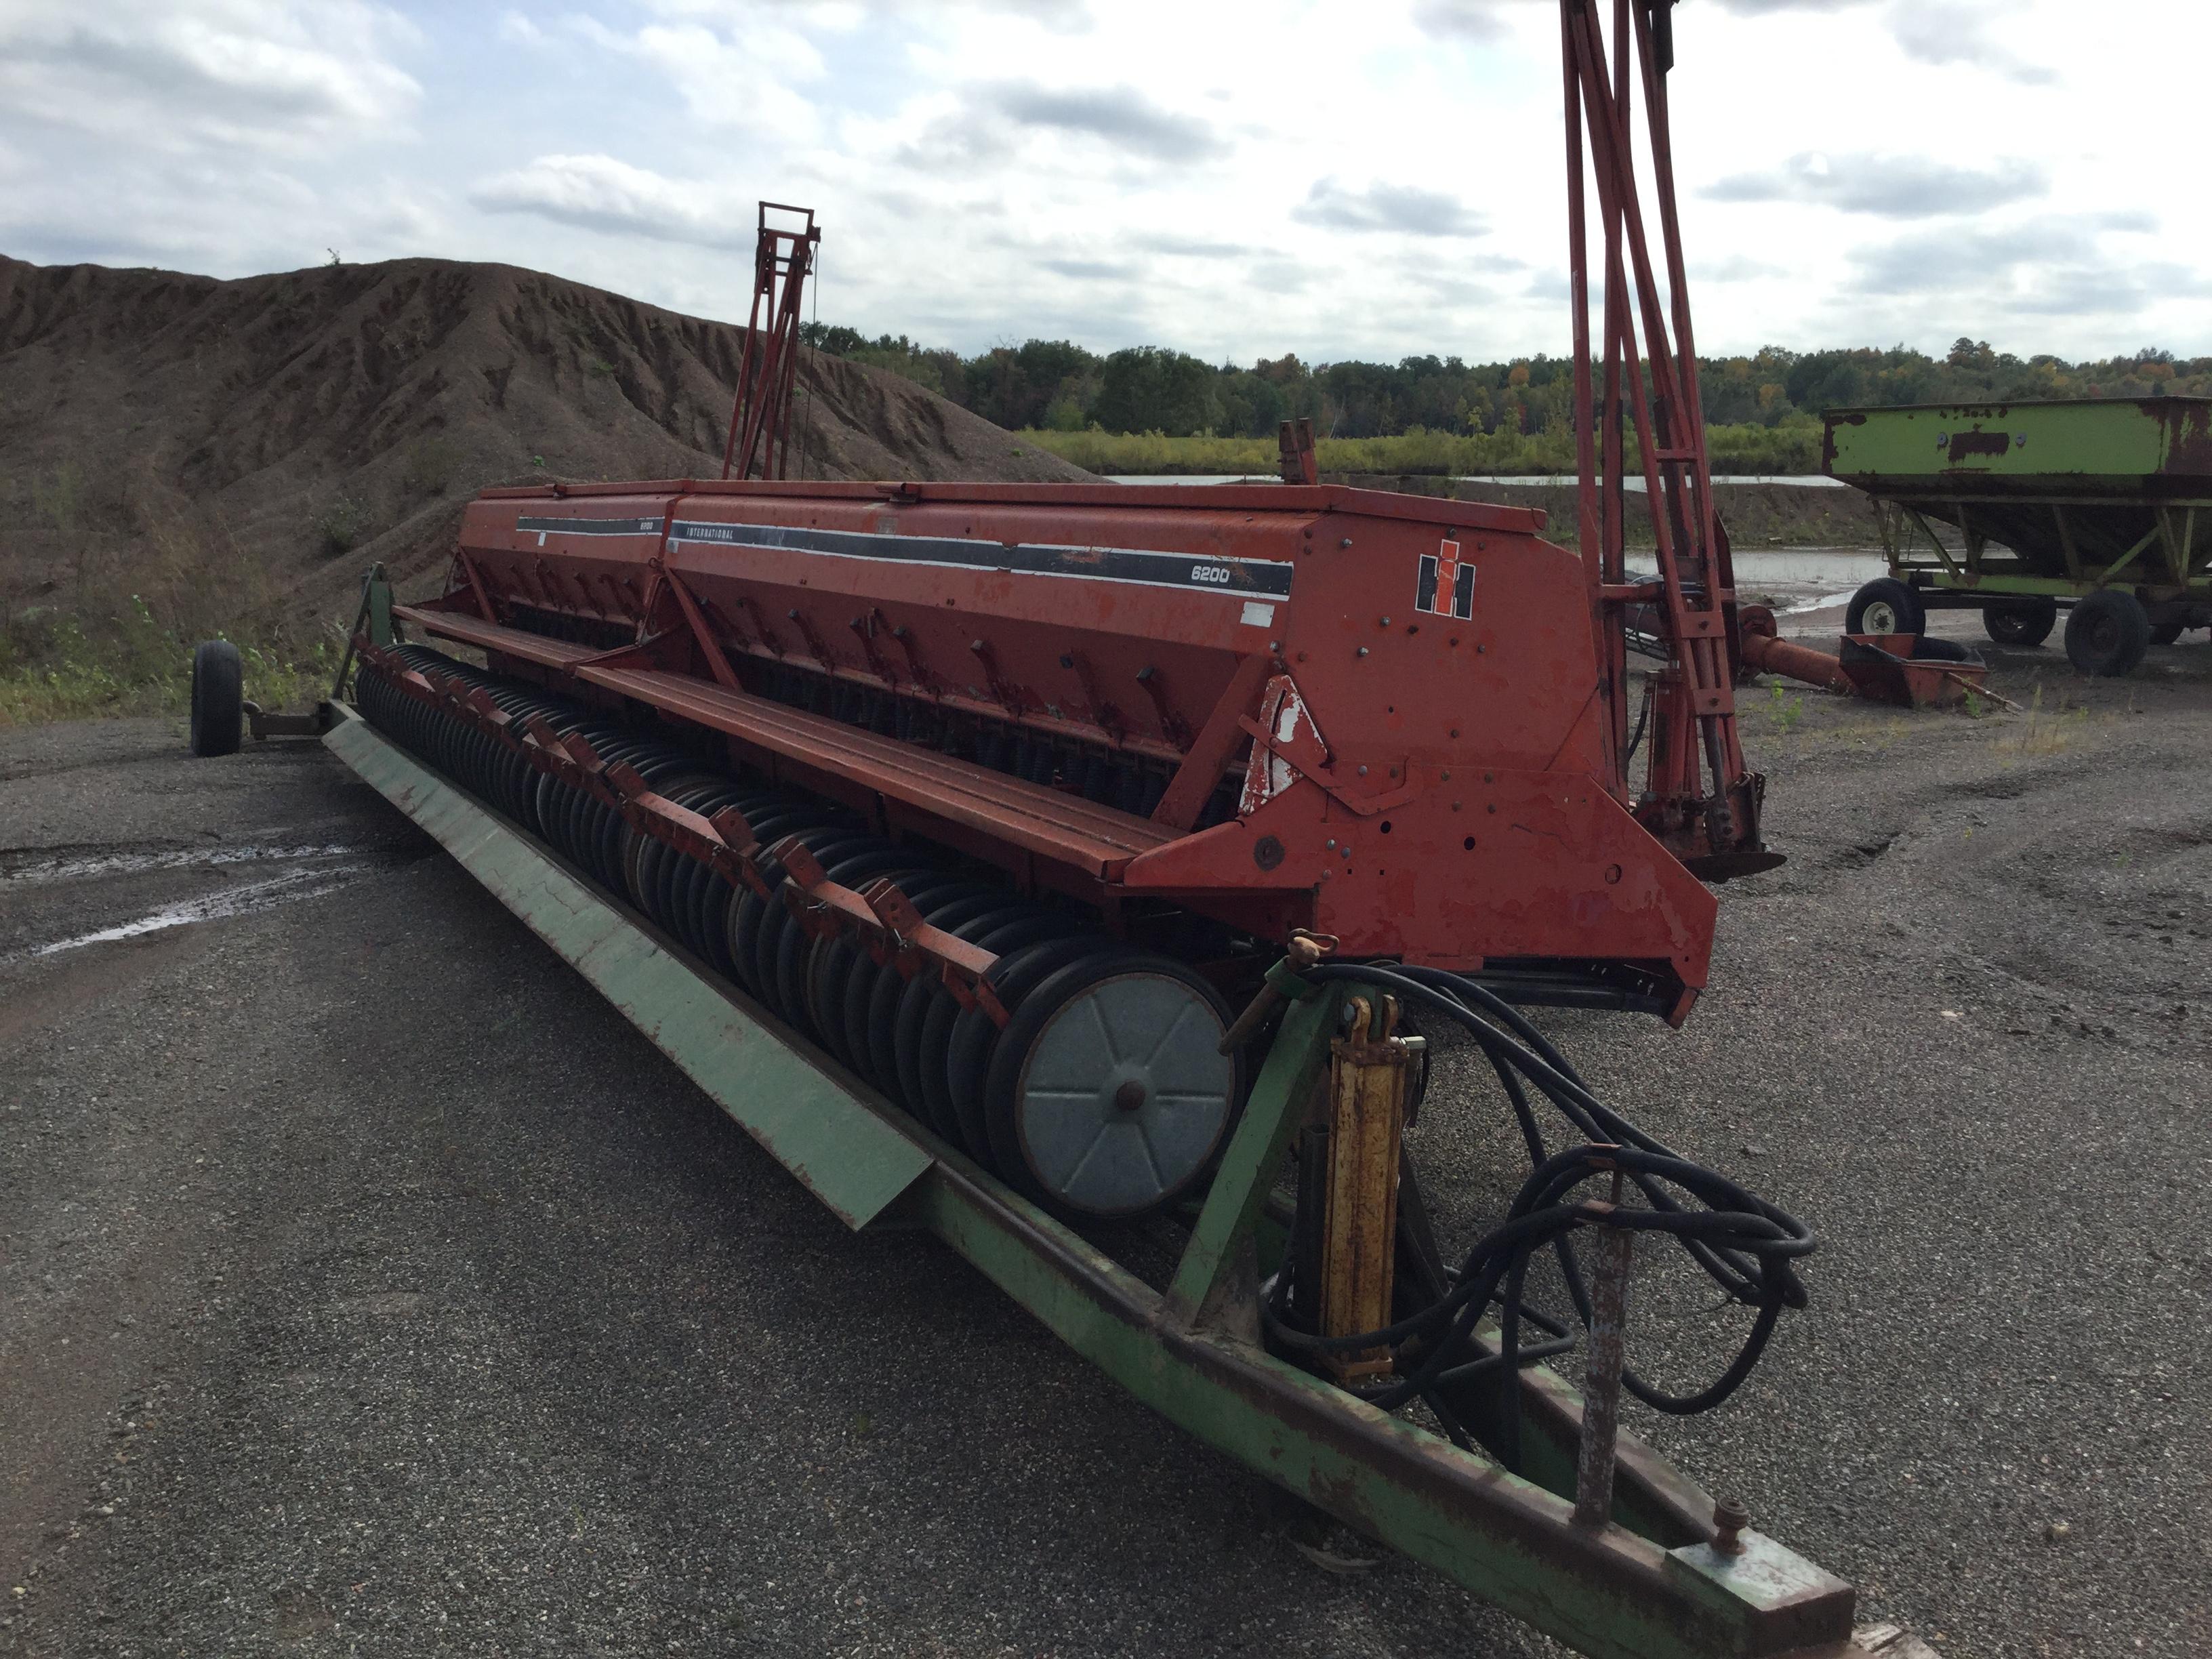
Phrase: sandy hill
pixel 237 451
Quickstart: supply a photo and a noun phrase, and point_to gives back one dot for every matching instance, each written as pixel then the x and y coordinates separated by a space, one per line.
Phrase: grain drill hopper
pixel 1062 870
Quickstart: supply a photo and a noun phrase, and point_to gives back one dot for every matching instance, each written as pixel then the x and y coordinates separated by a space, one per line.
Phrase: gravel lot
pixel 368 1286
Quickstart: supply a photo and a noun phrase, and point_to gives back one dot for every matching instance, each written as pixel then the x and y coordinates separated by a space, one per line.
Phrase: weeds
pixel 2045 732
pixel 1784 712
pixel 343 525
pixel 51 669
pixel 430 467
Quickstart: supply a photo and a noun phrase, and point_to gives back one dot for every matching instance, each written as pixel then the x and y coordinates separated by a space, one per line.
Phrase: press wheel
pixel 1108 1094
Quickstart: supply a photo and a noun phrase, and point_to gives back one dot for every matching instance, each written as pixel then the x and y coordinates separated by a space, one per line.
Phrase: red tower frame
pixel 760 419
pixel 1698 796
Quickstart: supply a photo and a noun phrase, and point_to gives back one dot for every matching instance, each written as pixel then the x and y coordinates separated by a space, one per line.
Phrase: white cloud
pixel 1235 179
pixel 1915 186
pixel 745 73
pixel 186 133
pixel 598 193
pixel 267 74
pixel 1404 209
pixel 1947 32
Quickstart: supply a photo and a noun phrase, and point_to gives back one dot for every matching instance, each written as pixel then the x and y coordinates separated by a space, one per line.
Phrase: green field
pixel 1734 449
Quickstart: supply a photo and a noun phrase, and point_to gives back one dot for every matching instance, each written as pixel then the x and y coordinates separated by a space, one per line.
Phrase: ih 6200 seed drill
pixel 942 832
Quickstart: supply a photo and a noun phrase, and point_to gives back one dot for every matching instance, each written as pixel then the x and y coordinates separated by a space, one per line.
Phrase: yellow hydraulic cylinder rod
pixel 1366 1124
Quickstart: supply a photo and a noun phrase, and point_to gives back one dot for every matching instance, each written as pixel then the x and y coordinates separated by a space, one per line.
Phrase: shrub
pixel 344 524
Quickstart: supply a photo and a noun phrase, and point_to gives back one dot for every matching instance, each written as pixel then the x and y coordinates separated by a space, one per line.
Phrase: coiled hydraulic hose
pixel 1747 1246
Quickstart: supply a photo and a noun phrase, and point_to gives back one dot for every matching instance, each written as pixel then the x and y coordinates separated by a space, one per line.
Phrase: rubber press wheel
pixel 920 999
pixel 950 1100
pixel 218 698
pixel 1108 1094
pixel 975 1037
pixel 2165 633
pixel 2107 634
pixel 1886 605
pixel 2020 622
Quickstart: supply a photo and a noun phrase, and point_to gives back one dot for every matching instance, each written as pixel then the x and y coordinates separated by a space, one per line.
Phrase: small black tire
pixel 218 698
pixel 2020 621
pixel 1886 605
pixel 1929 649
pixel 2165 633
pixel 2107 634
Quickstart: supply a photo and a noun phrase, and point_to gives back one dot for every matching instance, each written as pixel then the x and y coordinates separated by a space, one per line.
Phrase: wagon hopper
pixel 2100 508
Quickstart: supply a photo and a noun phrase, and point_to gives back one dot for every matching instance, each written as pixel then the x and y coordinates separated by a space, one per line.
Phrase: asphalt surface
pixel 368 1286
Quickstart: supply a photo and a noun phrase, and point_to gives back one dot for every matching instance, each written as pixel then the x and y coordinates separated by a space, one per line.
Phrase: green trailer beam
pixel 1647 1586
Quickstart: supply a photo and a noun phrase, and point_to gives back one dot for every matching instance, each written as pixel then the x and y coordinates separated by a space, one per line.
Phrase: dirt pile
pixel 237 451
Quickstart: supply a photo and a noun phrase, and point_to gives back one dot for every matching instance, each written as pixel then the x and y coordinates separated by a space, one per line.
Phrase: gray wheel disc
pixel 1122 1097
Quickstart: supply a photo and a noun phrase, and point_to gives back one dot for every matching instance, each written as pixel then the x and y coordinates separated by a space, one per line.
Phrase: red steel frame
pixel 760 419
pixel 1423 703
pixel 1403 687
pixel 1711 813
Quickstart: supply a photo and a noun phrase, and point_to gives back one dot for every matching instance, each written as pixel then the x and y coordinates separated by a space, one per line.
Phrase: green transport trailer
pixel 2101 507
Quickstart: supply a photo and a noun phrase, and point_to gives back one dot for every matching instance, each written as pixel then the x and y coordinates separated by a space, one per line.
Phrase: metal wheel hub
pixel 1123 1096
pixel 1879 618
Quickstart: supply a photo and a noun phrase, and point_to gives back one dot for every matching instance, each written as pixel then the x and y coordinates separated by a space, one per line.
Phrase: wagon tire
pixel 2165 633
pixel 218 698
pixel 1929 649
pixel 2020 622
pixel 1886 605
pixel 2107 634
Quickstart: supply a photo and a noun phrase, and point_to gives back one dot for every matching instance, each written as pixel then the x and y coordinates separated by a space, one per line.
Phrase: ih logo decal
pixel 1445 585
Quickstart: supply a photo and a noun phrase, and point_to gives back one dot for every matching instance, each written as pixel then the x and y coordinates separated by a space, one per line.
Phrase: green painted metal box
pixel 2120 446
pixel 2050 498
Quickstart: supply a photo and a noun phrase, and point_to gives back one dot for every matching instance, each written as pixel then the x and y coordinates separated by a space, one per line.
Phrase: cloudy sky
pixel 1374 179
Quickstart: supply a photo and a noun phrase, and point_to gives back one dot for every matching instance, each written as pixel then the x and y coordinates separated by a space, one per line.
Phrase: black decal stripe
pixel 1244 577
pixel 1463 593
pixel 1424 585
pixel 589 526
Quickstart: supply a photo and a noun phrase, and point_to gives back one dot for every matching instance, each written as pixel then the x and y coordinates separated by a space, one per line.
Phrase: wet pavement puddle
pixel 34 866
pixel 310 872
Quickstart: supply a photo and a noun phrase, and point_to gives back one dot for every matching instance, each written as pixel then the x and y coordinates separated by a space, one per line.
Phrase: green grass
pixel 1738 449
pixel 1784 711
pixel 56 672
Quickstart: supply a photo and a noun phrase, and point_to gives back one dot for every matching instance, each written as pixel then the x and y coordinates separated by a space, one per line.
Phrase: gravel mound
pixel 230 449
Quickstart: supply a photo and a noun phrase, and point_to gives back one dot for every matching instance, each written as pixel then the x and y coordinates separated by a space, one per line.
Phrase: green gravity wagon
pixel 2102 507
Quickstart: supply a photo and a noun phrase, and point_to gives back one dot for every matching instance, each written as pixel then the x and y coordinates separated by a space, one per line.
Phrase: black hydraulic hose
pixel 1746 1245
pixel 1643 713
pixel 1552 1073
pixel 1559 1081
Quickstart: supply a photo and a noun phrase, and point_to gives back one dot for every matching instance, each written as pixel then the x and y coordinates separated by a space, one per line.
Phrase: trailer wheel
pixel 2020 621
pixel 218 698
pixel 1886 605
pixel 2107 634
pixel 2165 633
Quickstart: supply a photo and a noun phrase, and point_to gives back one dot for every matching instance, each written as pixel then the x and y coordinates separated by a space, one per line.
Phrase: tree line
pixel 1055 385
